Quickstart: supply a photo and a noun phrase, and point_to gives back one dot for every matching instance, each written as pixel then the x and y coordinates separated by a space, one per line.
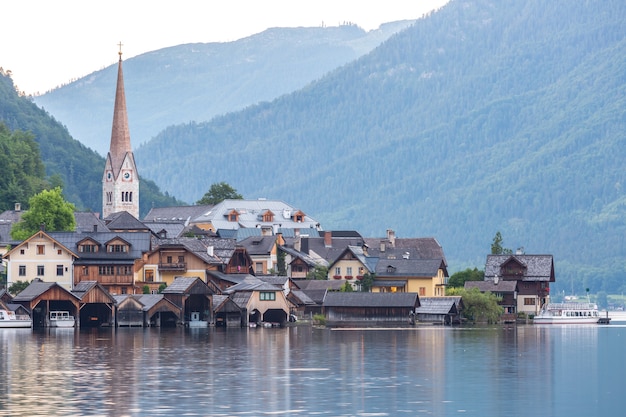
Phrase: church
pixel 120 181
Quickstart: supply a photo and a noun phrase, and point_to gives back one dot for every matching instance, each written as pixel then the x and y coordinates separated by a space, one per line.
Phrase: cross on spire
pixel 120 45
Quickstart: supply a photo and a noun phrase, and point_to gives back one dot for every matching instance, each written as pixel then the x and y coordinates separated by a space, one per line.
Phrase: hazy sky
pixel 46 43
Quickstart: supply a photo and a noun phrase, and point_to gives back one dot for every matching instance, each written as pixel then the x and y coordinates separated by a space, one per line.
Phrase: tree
pixel 367 282
pixel 496 246
pixel 48 208
pixel 18 287
pixel 347 287
pixel 218 193
pixel 319 272
pixel 478 306
pixel 280 263
pixel 457 280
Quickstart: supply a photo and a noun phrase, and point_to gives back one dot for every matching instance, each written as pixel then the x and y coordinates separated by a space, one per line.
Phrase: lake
pixel 521 370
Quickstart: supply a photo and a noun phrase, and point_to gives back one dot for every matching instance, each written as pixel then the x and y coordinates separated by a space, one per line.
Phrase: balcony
pixel 177 266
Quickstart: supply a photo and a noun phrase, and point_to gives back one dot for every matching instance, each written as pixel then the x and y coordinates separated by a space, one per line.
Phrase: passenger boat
pixel 570 313
pixel 8 319
pixel 61 319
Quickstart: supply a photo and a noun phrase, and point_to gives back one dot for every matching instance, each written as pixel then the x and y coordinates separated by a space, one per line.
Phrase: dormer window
pixel 268 216
pixel 117 249
pixel 391 269
pixel 298 217
pixel 233 216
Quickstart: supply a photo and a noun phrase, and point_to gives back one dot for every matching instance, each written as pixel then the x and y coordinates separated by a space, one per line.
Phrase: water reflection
pixel 489 371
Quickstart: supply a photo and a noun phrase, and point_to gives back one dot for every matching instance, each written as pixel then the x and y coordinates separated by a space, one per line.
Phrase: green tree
pixel 280 263
pixel 367 282
pixel 478 306
pixel 218 193
pixel 496 246
pixel 18 287
pixel 47 208
pixel 457 280
pixel 162 287
pixel 319 272
pixel 347 287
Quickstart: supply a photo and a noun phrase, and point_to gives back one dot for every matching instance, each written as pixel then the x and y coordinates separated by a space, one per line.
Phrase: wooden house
pixel 146 310
pixel 532 273
pixel 262 302
pixel 227 312
pixel 40 298
pixel 440 310
pixel 97 305
pixel 370 309
pixel 194 297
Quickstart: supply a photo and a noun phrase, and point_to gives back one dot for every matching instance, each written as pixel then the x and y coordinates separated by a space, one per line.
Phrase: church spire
pixel 120 182
pixel 120 134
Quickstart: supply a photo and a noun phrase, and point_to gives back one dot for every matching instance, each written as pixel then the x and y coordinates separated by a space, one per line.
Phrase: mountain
pixel 198 81
pixel 77 167
pixel 485 116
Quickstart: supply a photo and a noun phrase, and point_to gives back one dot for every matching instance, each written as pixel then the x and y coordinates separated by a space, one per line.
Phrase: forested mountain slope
pixel 76 166
pixel 484 116
pixel 195 82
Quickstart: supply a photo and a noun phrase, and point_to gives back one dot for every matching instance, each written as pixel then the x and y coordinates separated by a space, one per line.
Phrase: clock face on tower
pixel 109 176
pixel 127 175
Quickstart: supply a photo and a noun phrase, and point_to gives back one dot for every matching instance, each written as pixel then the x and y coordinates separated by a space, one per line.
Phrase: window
pixel 87 248
pixel 337 270
pixel 117 248
pixel 124 270
pixel 59 252
pixel 349 270
pixel 106 270
pixel 22 251
pixel 258 267
pixel 181 259
pixel 85 270
pixel 123 290
pixel 22 270
pixel 109 197
pixel 41 270
pixel 148 275
pixel 41 250
pixel 529 301
pixel 169 259
pixel 422 291
pixel 59 270
pixel 267 295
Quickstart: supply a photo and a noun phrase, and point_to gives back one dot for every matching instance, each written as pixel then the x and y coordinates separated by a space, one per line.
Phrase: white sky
pixel 46 43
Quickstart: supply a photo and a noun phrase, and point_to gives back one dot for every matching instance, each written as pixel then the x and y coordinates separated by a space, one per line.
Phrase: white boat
pixel 61 319
pixel 570 313
pixel 8 319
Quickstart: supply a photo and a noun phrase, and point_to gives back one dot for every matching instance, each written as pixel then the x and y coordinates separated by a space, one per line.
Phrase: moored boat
pixel 569 313
pixel 8 319
pixel 61 319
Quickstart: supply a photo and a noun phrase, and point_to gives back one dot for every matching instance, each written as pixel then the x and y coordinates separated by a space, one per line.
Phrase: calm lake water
pixel 526 370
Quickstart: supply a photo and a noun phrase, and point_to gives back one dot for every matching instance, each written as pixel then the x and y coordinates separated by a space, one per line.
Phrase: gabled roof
pixel 409 267
pixel 538 267
pixel 185 285
pixel 418 248
pixel 232 278
pixel 371 299
pixel 251 283
pixel 439 305
pixel 179 214
pixel 124 221
pixel 36 289
pixel 84 287
pixel 301 298
pixel 279 281
pixel 250 215
pixel 308 260
pixel 89 222
pixel 139 242
pixel 166 229
pixel 259 245
pixel 320 284
pixel 359 254
pixel 51 237
pixel 197 247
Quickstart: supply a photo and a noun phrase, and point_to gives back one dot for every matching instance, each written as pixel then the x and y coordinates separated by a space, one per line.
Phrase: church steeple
pixel 120 135
pixel 120 182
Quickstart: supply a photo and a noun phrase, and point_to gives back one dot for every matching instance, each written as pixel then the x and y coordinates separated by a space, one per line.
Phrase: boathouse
pixel 440 310
pixel 97 305
pixel 146 310
pixel 370 309
pixel 40 298
pixel 194 297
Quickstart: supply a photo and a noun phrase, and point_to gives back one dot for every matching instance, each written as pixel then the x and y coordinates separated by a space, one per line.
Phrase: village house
pixel 263 250
pixel 260 301
pixel 531 273
pixel 351 265
pixel 440 310
pixel 41 256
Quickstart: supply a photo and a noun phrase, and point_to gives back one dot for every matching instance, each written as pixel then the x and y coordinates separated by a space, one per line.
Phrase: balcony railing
pixel 178 266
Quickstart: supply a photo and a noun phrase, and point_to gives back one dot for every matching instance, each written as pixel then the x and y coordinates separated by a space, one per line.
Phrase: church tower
pixel 120 182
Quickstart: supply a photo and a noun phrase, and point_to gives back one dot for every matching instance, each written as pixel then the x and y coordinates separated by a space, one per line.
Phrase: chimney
pixel 297 244
pixel 382 245
pixel 391 236
pixel 18 207
pixel 328 239
pixel 42 227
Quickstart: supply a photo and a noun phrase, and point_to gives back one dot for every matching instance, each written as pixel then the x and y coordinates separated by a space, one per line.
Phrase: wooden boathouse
pixel 370 308
pixel 40 298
